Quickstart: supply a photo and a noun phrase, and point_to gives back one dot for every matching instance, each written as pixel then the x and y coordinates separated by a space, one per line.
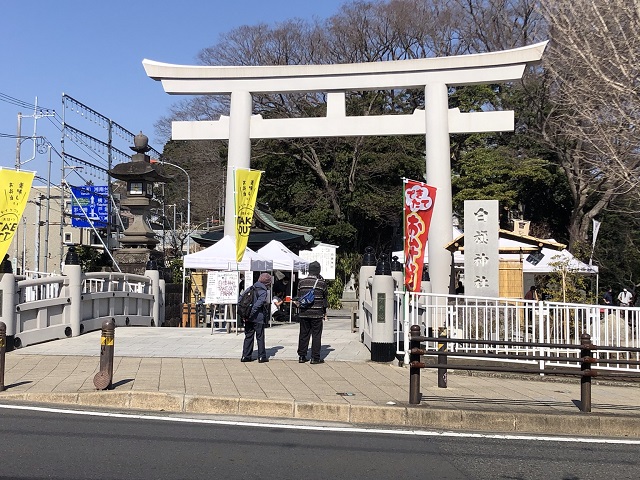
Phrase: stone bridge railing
pixel 43 309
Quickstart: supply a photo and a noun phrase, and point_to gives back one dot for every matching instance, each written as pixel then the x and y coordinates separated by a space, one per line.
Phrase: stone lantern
pixel 139 242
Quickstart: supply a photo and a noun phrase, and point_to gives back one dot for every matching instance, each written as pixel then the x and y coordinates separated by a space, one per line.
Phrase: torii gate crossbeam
pixel 436 122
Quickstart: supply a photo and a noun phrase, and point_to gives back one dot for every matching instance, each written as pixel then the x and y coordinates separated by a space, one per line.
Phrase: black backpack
pixel 245 304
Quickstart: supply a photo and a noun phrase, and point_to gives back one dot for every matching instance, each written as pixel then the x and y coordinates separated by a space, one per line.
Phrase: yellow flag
pixel 247 182
pixel 14 193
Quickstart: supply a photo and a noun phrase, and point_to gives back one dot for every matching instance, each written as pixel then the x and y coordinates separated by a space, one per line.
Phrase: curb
pixel 421 416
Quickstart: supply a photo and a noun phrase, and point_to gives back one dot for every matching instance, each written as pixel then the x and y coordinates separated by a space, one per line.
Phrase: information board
pixel 222 288
pixel 90 206
pixel 325 254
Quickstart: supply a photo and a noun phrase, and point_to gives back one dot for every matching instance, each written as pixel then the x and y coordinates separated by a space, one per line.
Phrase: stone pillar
pixel 383 347
pixel 154 276
pixel 239 151
pixel 73 271
pixel 367 269
pixel 8 305
pixel 438 163
pixel 163 305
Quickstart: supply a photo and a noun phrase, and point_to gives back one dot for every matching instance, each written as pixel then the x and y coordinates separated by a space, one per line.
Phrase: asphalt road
pixel 38 445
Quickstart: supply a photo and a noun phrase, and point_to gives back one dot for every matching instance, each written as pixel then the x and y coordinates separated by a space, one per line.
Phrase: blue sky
pixel 93 52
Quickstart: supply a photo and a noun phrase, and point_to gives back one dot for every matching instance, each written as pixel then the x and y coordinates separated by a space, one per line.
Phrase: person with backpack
pixel 256 317
pixel 312 312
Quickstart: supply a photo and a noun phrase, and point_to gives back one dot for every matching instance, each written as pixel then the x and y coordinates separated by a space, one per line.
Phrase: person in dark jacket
pixel 311 318
pixel 254 326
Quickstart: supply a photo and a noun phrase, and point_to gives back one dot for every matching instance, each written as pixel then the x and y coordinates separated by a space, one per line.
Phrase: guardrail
pixel 513 350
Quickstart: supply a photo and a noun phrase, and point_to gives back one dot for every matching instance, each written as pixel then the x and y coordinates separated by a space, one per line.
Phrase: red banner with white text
pixel 418 207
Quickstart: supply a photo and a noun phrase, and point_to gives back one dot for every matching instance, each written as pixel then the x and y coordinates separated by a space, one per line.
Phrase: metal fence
pixel 518 320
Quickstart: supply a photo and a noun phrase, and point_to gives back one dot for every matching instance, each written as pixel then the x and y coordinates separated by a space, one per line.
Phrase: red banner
pixel 418 207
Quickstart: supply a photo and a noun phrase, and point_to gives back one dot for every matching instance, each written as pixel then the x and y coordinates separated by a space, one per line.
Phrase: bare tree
pixel 492 25
pixel 592 67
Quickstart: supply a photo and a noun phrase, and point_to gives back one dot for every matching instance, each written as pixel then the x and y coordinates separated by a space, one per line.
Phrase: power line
pixel 20 103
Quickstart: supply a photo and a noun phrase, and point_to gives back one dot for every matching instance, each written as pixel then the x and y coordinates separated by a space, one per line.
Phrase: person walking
pixel 254 325
pixel 311 317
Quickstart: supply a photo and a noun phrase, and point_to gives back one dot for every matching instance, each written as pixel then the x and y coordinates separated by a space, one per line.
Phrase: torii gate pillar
pixel 239 151
pixel 438 162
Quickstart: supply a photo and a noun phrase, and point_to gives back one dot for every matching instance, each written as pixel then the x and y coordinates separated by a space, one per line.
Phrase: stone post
pixel 154 275
pixel 8 306
pixel 73 271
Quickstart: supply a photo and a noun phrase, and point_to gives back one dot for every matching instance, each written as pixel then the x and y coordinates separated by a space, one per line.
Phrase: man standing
pixel 532 294
pixel 624 297
pixel 254 325
pixel 311 317
pixel 607 298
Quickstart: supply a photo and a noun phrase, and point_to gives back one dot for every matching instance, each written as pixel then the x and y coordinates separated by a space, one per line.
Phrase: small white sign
pixel 325 255
pixel 222 288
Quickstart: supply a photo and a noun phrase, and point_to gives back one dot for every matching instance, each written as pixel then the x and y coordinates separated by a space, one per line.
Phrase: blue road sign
pixel 90 206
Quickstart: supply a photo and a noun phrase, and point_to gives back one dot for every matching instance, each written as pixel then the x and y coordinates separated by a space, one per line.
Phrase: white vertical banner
pixel 596 229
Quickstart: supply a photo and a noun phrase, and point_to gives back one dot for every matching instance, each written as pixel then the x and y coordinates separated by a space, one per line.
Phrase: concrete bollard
pixel 3 349
pixel 104 378
pixel 585 367
pixel 442 359
pixel 414 369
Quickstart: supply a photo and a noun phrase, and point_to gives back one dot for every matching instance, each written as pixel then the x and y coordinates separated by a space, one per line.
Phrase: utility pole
pixel 46 215
pixel 37 114
pixel 18 140
pixel 18 145
pixel 36 253
pixel 110 165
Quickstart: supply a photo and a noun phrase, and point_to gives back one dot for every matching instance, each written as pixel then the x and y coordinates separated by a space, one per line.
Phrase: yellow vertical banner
pixel 247 182
pixel 14 193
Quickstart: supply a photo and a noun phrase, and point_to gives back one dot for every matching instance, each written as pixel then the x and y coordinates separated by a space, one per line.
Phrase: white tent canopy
pixel 282 257
pixel 222 256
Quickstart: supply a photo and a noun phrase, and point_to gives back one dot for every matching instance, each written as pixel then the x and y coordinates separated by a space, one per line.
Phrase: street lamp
pixel 173 234
pixel 188 201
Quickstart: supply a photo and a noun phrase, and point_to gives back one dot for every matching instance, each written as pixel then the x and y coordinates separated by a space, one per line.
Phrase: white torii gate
pixel 436 122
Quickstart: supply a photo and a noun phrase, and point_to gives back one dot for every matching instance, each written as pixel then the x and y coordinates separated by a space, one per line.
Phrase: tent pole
pixel 291 296
pixel 184 272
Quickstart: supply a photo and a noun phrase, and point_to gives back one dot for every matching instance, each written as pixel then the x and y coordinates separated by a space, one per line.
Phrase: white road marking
pixel 422 433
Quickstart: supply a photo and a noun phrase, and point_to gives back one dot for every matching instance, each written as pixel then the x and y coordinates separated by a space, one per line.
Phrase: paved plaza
pixel 197 370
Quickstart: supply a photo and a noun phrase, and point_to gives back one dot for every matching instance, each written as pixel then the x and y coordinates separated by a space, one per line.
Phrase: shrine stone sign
pixel 481 257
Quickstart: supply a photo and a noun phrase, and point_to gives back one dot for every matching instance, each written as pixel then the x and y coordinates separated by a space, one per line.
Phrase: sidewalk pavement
pixel 198 371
